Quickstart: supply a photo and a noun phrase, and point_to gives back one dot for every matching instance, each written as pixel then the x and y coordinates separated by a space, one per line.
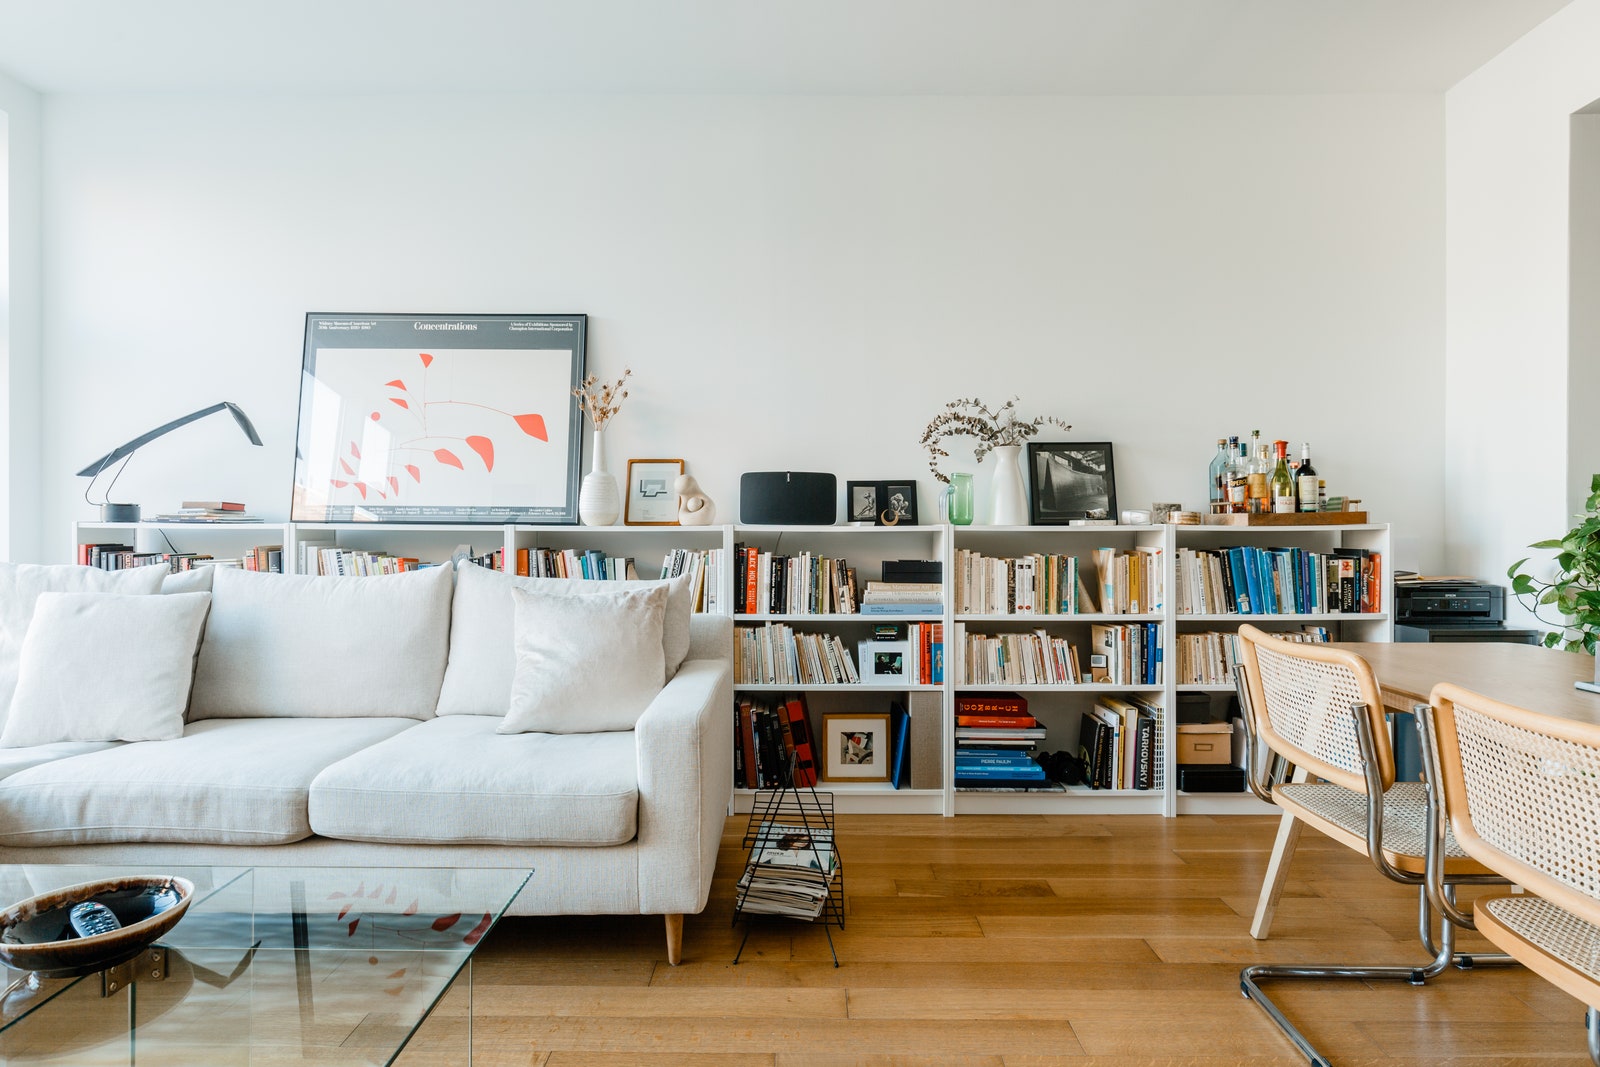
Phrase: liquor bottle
pixel 1219 477
pixel 1282 485
pixel 1259 500
pixel 1306 481
pixel 1239 483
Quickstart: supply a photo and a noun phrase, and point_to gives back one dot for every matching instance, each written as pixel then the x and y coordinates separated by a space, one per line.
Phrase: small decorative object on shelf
pixel 694 507
pixel 956 500
pixel 996 430
pixel 652 498
pixel 793 869
pixel 882 503
pixel 599 503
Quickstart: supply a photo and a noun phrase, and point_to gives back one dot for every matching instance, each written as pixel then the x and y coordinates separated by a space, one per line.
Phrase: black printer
pixel 1453 609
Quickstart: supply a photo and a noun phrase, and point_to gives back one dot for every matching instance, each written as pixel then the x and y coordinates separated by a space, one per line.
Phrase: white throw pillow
pixel 297 646
pixel 585 664
pixel 20 586
pixel 482 659
pixel 105 667
pixel 194 580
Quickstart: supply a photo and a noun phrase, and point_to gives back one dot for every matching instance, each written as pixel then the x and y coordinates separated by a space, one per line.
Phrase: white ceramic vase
pixel 599 502
pixel 1010 498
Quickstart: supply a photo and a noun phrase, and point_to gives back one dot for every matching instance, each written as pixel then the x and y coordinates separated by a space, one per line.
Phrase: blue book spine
pixel 1269 594
pixel 1001 772
pixel 902 609
pixel 1253 577
pixel 1241 581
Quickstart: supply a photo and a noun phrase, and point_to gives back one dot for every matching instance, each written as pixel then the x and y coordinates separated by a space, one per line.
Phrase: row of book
pixel 768 583
pixel 329 561
pixel 1119 654
pixel 1119 741
pixel 115 557
pixel 772 744
pixel 775 654
pixel 791 871
pixel 1116 583
pixel 1209 658
pixel 1246 580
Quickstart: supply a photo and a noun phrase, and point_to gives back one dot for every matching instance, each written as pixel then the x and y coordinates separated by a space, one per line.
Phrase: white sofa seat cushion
pixel 20 586
pixel 224 782
pixel 454 780
pixel 13 760
pixel 297 646
pixel 483 658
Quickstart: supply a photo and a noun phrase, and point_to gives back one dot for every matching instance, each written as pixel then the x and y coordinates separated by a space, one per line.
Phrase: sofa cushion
pixel 228 782
pixel 455 780
pixel 194 580
pixel 482 658
pixel 105 667
pixel 13 760
pixel 296 646
pixel 20 586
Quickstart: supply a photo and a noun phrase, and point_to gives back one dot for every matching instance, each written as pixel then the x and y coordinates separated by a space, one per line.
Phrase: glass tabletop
pixel 298 964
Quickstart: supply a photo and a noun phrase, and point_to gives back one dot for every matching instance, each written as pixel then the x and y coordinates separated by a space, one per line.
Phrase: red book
pixel 747 741
pixel 751 556
pixel 1004 721
pixel 805 756
pixel 998 704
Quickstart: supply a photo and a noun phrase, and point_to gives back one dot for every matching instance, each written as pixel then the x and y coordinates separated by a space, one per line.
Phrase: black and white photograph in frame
pixel 861 501
pixel 1071 480
pixel 900 502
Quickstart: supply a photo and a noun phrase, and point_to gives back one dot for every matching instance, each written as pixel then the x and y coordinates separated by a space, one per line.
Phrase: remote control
pixel 91 918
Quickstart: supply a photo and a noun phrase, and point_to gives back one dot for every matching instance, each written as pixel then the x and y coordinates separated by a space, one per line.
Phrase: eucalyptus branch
pixel 991 428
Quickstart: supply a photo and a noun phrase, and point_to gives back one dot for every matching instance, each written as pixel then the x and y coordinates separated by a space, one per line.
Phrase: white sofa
pixel 353 722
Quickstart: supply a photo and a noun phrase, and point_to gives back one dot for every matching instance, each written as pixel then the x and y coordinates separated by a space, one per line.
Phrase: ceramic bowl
pixel 36 935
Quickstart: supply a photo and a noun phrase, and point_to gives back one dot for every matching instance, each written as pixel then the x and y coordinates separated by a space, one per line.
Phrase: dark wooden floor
pixel 1014 940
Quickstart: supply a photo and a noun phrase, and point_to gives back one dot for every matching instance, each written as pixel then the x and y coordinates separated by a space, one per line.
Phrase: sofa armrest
pixel 684 742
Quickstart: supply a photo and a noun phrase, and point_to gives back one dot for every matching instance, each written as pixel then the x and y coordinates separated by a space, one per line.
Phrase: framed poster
pixel 1071 481
pixel 439 419
pixel 855 748
pixel 652 500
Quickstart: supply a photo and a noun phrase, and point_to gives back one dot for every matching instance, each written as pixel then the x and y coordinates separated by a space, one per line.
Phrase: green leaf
pixel 1556 543
pixel 1511 571
pixel 1522 585
pixel 1551 640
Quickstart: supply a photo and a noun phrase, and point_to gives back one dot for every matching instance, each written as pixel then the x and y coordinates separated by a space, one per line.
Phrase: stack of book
pixel 207 511
pixel 1119 742
pixel 1028 585
pixel 766 583
pixel 775 654
pixel 791 870
pixel 1037 658
pixel 1127 654
pixel 995 740
pixel 1246 580
pixel 903 598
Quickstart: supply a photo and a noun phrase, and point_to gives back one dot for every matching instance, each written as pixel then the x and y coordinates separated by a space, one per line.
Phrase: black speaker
pixel 787 498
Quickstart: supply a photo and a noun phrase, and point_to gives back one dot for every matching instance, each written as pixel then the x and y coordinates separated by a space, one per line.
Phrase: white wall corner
pixel 21 329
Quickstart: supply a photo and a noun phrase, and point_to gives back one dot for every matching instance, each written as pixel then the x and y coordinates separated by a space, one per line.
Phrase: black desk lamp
pixel 110 512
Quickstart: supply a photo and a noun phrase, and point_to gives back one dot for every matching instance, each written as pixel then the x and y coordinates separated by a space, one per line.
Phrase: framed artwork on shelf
pixel 884 662
pixel 439 419
pixel 1071 480
pixel 882 503
pixel 652 500
pixel 855 748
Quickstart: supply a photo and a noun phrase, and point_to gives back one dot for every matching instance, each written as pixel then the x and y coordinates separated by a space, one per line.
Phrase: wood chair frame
pixel 1452 786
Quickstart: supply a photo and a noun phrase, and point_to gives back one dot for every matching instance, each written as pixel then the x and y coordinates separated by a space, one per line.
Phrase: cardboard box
pixel 1205 742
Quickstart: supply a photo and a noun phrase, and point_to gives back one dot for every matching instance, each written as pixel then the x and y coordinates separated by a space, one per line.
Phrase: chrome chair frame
pixel 1262 774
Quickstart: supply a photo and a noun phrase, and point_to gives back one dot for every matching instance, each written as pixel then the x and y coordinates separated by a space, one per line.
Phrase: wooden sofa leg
pixel 674 939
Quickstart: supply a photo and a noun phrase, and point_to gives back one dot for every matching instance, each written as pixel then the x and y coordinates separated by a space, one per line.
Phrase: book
pixel 805 757
pixel 211 505
pixel 900 740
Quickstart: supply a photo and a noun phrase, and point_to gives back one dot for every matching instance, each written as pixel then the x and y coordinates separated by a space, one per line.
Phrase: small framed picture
pixel 884 662
pixel 855 748
pixel 881 503
pixel 1071 481
pixel 652 498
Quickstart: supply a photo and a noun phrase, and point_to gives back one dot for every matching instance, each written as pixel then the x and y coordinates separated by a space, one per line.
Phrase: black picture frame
pixel 886 503
pixel 410 418
pixel 1071 480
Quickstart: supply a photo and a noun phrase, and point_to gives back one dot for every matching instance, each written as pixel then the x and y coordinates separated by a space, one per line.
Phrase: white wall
pixel 797 282
pixel 19 322
pixel 1583 363
pixel 1508 131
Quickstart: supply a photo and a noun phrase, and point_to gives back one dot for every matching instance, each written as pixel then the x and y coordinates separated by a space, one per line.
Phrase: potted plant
pixel 1575 590
pixel 998 430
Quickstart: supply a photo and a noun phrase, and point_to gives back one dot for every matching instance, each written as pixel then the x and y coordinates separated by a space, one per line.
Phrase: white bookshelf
pixel 865 548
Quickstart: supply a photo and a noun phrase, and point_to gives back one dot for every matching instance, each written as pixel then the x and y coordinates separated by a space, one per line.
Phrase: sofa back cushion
pixel 20 586
pixel 483 658
pixel 296 646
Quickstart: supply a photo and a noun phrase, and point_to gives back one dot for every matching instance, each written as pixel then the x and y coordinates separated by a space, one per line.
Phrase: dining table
pixel 1529 676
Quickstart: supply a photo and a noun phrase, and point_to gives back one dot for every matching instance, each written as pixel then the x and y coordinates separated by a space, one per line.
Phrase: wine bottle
pixel 1239 482
pixel 1282 485
pixel 1219 477
pixel 1306 481
pixel 1259 500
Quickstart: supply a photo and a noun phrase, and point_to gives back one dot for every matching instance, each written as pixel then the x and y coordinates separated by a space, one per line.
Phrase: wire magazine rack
pixel 793 869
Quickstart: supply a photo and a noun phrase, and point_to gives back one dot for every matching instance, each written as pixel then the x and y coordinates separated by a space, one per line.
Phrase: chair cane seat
pixel 1551 941
pixel 1342 814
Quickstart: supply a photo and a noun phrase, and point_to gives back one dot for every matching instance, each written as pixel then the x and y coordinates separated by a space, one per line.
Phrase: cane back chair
pixel 1318 747
pixel 1521 792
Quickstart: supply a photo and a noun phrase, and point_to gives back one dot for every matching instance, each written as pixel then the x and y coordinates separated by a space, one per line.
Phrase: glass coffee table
pixel 271 964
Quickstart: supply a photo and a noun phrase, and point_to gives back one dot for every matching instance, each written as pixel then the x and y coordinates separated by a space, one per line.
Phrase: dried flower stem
pixel 991 428
pixel 600 402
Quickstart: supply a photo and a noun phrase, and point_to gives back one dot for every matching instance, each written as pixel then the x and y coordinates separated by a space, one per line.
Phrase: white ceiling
pixel 759 46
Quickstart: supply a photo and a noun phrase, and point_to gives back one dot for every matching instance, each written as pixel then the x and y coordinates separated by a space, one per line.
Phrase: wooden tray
pixel 1307 518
